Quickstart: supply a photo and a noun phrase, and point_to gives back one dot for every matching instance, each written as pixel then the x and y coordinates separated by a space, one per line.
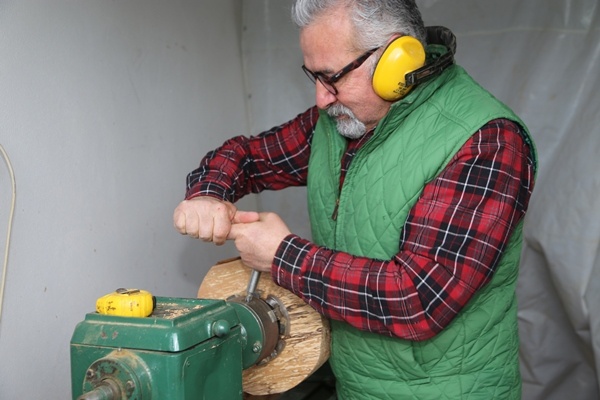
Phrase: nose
pixel 324 98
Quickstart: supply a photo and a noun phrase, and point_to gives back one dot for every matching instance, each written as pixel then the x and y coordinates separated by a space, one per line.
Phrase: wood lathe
pixel 226 343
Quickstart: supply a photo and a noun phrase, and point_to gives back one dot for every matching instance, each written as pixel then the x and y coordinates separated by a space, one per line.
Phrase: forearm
pixel 371 295
pixel 222 172
pixel 273 160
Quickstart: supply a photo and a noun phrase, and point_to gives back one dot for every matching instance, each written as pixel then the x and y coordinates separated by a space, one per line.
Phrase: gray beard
pixel 349 127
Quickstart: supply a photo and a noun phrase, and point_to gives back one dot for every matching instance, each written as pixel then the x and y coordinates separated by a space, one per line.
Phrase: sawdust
pixel 173 310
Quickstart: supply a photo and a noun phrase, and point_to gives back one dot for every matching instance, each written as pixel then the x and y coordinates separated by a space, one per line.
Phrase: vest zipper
pixel 335 209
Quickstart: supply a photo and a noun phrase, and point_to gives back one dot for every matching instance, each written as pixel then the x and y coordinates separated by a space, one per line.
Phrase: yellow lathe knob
pixel 127 303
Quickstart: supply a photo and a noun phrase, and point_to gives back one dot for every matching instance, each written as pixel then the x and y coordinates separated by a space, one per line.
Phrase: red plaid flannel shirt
pixel 451 241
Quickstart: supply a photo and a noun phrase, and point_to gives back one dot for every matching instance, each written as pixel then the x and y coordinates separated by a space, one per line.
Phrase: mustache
pixel 337 109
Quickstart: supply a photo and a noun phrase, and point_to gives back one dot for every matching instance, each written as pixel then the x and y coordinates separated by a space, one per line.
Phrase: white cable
pixel 10 218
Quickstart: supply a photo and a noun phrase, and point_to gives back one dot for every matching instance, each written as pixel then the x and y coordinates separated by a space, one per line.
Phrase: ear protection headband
pixel 403 63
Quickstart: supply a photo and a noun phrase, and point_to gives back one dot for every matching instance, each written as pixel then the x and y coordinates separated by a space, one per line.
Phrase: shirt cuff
pixel 292 253
pixel 211 189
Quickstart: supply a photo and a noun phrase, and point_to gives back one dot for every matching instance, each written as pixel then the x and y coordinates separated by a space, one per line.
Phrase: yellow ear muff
pixel 403 55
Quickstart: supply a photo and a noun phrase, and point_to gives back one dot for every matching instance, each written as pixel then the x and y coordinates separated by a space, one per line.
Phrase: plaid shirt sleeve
pixel 273 160
pixel 451 244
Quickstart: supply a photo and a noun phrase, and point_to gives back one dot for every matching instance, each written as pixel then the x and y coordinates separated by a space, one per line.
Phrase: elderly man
pixel 418 181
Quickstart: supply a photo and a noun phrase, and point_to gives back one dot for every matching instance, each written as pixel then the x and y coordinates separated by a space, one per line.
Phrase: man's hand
pixel 257 237
pixel 204 218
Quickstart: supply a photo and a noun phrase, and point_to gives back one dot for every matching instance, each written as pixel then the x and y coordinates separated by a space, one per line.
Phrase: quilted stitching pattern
pixel 476 356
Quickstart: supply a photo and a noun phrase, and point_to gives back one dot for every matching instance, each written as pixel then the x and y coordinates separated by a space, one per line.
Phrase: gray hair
pixel 375 21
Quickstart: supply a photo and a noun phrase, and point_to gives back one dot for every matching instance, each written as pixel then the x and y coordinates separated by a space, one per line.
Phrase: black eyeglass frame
pixel 329 82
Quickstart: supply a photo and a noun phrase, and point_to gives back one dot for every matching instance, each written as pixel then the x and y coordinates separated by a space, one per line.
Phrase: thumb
pixel 235 231
pixel 245 217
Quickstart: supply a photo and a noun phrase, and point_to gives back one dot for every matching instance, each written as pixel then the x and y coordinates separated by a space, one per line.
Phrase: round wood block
pixel 306 346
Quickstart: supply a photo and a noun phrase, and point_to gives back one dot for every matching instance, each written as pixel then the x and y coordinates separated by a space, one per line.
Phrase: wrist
pixel 287 266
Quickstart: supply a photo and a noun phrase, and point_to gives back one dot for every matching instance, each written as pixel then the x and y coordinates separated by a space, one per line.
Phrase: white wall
pixel 105 106
pixel 278 90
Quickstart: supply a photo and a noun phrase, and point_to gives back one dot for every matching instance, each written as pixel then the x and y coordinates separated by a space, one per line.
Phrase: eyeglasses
pixel 329 82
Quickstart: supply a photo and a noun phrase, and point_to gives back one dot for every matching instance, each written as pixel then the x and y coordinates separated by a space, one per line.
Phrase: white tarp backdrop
pixel 541 57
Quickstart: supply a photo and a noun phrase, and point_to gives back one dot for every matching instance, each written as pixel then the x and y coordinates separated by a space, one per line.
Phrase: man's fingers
pixel 179 221
pixel 231 210
pixel 211 220
pixel 245 217
pixel 186 223
pixel 220 230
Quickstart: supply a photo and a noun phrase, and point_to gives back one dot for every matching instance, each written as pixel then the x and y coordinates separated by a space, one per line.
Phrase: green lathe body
pixel 187 349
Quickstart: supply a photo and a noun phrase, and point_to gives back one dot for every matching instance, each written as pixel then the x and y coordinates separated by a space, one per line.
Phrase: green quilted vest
pixel 476 356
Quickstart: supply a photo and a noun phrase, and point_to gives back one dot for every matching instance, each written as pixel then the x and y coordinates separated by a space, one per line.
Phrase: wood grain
pixel 306 346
